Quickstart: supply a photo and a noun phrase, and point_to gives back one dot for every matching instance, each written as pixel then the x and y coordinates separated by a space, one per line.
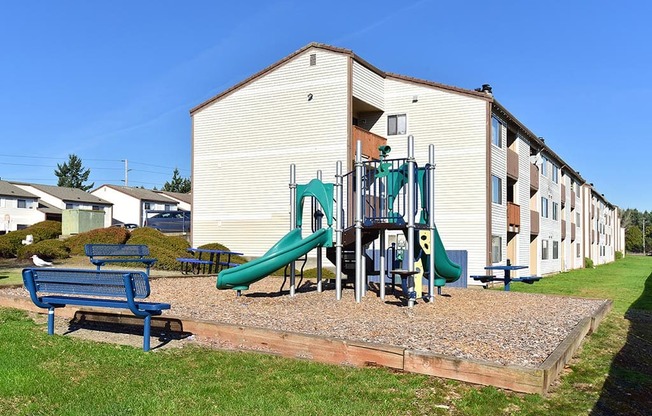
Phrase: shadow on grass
pixel 165 329
pixel 627 389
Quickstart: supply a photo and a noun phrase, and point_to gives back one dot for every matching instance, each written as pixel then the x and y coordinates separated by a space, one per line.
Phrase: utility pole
pixel 126 180
pixel 643 235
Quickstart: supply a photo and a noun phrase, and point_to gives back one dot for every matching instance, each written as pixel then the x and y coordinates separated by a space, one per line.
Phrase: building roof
pixel 67 194
pixel 187 198
pixel 8 189
pixel 46 208
pixel 342 51
pixel 142 194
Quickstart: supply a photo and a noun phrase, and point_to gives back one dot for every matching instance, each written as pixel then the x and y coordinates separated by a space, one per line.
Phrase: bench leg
pixel 51 321
pixel 146 332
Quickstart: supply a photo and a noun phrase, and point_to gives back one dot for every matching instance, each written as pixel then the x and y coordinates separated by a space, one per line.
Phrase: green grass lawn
pixel 40 374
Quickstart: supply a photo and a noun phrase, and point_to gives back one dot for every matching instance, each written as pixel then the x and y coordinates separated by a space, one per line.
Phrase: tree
pixel 73 174
pixel 634 239
pixel 178 184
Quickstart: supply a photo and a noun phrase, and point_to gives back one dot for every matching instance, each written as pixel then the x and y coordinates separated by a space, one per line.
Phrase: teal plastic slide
pixel 288 249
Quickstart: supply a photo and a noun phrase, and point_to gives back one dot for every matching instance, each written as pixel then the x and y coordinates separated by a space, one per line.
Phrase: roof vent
pixel 486 88
pixel 313 59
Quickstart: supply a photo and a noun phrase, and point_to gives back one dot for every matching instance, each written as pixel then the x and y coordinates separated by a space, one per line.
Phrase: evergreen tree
pixel 72 174
pixel 178 184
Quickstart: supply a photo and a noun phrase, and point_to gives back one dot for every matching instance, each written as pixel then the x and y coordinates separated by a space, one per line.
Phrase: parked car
pixel 170 221
pixel 128 226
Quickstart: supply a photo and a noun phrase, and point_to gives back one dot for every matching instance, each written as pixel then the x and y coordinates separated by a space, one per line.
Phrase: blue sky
pixel 110 81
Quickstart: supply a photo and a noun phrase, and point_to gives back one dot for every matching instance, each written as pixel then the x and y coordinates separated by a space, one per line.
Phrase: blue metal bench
pixel 197 264
pixel 52 288
pixel 101 254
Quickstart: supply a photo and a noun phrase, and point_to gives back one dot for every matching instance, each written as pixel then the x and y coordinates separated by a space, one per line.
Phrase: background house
pixel 18 208
pixel 184 201
pixel 130 205
pixel 57 197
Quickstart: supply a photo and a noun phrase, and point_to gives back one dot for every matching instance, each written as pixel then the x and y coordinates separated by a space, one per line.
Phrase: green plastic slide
pixel 444 267
pixel 288 249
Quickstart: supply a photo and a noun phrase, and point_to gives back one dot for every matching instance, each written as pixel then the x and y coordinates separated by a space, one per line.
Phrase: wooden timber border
pixel 362 354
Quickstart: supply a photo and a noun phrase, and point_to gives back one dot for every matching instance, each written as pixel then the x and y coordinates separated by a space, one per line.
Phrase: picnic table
pixel 507 278
pixel 204 260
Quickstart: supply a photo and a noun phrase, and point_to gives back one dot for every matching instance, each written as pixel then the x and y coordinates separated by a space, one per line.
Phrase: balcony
pixel 512 164
pixel 513 217
pixel 534 178
pixel 534 222
pixel 563 195
pixel 563 229
pixel 572 232
pixel 370 142
pixel 572 200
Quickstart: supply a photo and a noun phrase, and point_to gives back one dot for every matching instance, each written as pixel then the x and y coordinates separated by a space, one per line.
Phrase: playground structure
pixel 359 208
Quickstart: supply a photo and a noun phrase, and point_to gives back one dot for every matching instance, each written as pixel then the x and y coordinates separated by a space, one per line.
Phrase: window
pixel 148 205
pixel 555 211
pixel 555 249
pixel 577 220
pixel 496 132
pixel 544 166
pixel 496 190
pixel 578 250
pixel 70 206
pixel 168 207
pixel 96 208
pixel 496 249
pixel 544 207
pixel 544 249
pixel 22 203
pixel 396 124
pixel 555 174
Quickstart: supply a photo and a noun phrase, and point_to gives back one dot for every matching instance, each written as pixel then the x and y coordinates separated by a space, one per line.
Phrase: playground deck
pixel 501 331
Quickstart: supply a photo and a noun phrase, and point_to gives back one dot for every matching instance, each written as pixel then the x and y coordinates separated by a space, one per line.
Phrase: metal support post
pixel 339 205
pixel 381 279
pixel 319 249
pixel 410 213
pixel 293 218
pixel 358 221
pixel 431 221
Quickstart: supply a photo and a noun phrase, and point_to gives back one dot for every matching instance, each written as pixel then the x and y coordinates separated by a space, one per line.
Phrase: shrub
pixel 588 263
pixel 46 249
pixel 164 248
pixel 11 242
pixel 619 255
pixel 111 235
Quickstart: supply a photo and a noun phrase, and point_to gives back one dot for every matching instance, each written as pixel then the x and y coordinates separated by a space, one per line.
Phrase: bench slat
pixel 103 303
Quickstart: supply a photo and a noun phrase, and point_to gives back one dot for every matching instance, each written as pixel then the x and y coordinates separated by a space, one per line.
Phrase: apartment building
pixel 501 192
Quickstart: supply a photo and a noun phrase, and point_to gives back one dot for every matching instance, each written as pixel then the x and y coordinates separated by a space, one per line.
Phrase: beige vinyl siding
pixel 550 229
pixel 457 126
pixel 499 211
pixel 244 144
pixel 522 196
pixel 368 86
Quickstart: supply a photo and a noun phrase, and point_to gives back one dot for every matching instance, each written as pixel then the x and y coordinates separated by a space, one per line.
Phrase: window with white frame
pixel 396 124
pixel 577 220
pixel 544 207
pixel 496 190
pixel 22 203
pixel 496 132
pixel 70 206
pixel 555 249
pixel 555 211
pixel 496 249
pixel 544 166
pixel 578 250
pixel 544 249
pixel 147 205
pixel 555 173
